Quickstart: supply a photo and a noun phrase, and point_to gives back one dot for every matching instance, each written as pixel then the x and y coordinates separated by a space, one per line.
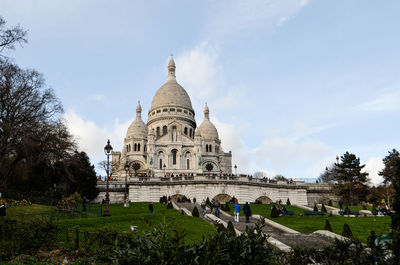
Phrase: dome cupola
pixel 138 128
pixel 171 100
pixel 206 128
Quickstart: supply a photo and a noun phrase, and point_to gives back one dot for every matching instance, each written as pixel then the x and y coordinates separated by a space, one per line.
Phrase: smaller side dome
pixel 138 128
pixel 206 128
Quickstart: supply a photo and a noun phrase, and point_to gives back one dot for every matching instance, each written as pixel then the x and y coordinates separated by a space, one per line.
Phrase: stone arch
pixel 264 199
pixel 176 196
pixel 222 197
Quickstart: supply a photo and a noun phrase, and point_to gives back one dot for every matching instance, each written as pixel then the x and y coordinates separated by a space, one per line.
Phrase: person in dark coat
pixel 151 208
pixel 247 211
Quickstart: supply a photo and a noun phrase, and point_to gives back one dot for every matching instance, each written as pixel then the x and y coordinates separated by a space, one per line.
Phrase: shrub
pixel 169 205
pixel 288 202
pixel 227 209
pixel 347 231
pixel 208 202
pixel 323 209
pixel 328 226
pixel 195 212
pixel 274 212
pixel 364 207
pixel 231 228
pixel 315 208
pixel 330 203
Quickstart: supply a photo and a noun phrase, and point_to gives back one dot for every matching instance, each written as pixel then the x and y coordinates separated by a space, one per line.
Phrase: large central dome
pixel 171 93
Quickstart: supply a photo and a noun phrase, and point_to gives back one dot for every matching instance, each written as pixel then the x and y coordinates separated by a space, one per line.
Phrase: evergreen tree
pixel 169 205
pixel 347 231
pixel 315 208
pixel 195 212
pixel 330 203
pixel 288 202
pixel 351 183
pixel 231 228
pixel 328 226
pixel 227 209
pixel 389 174
pixel 323 209
pixel 83 177
pixel 208 202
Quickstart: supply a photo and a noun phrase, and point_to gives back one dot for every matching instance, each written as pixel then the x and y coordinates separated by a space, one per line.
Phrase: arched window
pixel 138 147
pixel 158 131
pixel 164 130
pixel 185 131
pixel 210 148
pixel 187 156
pixel 206 147
pixel 127 148
pixel 135 147
pixel 160 156
pixel 174 151
pixel 145 148
pixel 190 133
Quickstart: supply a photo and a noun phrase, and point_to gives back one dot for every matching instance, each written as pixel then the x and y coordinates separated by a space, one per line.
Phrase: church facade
pixel 171 144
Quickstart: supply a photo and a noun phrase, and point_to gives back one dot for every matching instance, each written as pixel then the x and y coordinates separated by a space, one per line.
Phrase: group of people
pixel 280 209
pixel 246 211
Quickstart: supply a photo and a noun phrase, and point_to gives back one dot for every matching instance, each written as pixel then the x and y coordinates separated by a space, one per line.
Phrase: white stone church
pixel 171 144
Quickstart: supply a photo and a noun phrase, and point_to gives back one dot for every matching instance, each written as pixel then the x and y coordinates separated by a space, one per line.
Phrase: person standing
pixel 217 205
pixel 151 208
pixel 203 206
pixel 247 211
pixel 237 212
pixel 341 205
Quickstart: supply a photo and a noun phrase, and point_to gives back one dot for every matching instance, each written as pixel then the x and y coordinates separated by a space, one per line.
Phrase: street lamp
pixel 235 169
pixel 337 159
pixel 107 150
pixel 126 167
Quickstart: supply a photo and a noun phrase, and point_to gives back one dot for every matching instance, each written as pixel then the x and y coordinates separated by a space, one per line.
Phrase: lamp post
pixel 235 169
pixel 337 159
pixel 126 167
pixel 107 150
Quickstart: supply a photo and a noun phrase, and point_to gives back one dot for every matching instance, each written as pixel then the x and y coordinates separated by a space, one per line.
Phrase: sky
pixel 290 84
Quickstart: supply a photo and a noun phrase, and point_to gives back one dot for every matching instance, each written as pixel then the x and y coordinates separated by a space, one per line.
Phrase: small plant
pixel 347 231
pixel 169 205
pixel 230 228
pixel 288 202
pixel 315 208
pixel 330 203
pixel 227 209
pixel 323 209
pixel 274 212
pixel 328 226
pixel 195 212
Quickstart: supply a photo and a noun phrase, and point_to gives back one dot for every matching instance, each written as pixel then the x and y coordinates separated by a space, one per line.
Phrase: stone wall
pixel 243 191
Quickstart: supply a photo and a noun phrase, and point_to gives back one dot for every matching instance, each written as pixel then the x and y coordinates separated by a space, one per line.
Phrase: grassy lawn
pixel 354 208
pixel 121 218
pixel 360 226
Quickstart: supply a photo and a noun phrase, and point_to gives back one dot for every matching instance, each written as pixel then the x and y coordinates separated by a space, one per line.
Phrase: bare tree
pixel 10 36
pixel 259 174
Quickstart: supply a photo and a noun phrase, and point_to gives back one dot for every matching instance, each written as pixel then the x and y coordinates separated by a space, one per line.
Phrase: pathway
pixel 293 239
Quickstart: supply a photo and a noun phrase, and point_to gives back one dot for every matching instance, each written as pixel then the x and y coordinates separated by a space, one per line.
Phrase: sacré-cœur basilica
pixel 171 144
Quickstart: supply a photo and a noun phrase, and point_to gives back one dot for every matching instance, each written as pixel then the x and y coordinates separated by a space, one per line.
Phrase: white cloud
pixel 387 100
pixel 92 138
pixel 229 16
pixel 373 166
pixel 198 71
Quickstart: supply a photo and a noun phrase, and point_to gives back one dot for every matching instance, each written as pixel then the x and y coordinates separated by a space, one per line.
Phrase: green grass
pixel 121 219
pixel 360 226
pixel 354 208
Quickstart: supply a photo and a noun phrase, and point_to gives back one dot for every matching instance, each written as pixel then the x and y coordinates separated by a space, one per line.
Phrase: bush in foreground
pixel 195 212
